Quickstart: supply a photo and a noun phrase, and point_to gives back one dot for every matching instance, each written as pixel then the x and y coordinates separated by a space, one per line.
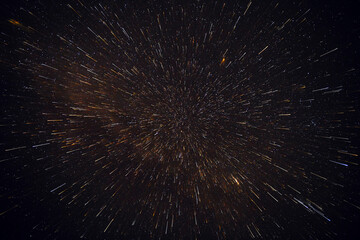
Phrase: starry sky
pixel 179 119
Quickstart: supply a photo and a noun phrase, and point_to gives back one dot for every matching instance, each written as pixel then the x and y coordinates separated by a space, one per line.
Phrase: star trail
pixel 179 120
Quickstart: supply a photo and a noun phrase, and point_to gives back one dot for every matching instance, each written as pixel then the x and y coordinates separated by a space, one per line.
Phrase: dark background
pixel 34 212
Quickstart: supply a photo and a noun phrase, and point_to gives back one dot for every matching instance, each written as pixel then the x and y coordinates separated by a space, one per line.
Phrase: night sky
pixel 179 119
